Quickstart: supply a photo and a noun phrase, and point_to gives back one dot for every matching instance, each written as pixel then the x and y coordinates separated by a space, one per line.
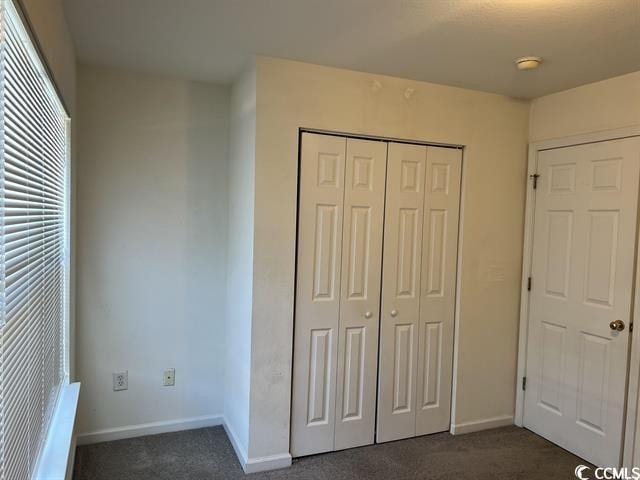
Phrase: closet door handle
pixel 368 315
pixel 394 312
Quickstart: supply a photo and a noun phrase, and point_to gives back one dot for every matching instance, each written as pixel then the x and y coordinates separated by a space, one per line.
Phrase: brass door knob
pixel 617 325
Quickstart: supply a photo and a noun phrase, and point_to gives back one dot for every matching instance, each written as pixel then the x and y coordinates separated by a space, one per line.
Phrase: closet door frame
pixel 347 136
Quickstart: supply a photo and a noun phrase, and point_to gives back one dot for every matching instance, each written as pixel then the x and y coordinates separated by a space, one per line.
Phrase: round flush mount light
pixel 528 63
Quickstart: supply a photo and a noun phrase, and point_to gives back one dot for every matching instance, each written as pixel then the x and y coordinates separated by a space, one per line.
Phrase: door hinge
pixel 524 383
pixel 630 327
pixel 535 177
pixel 529 284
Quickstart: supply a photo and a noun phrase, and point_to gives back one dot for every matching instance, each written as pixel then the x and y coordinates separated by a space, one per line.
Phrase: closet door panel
pixel 320 219
pixel 399 326
pixel 437 294
pixel 360 292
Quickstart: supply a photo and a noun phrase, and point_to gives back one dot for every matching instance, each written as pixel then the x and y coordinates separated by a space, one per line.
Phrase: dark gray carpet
pixel 503 453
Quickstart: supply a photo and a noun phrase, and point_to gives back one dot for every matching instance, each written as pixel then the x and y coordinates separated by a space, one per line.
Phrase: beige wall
pixel 605 105
pixel 494 129
pixel 50 25
pixel 151 247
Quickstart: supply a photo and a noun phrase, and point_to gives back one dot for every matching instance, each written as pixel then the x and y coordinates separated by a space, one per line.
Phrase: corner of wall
pixel 532 106
pixel 240 242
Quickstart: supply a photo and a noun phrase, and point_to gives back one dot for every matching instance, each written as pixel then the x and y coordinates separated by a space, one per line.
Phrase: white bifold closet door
pixel 341 210
pixel 418 290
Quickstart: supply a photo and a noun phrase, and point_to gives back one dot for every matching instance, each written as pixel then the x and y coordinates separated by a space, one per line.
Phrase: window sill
pixel 56 458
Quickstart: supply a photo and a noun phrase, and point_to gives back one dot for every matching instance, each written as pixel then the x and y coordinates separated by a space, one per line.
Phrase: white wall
pixel 494 129
pixel 605 105
pixel 240 260
pixel 151 246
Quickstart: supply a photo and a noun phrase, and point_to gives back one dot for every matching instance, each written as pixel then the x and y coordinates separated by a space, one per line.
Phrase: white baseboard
pixel 152 428
pixel 258 464
pixel 272 462
pixel 484 424
pixel 237 447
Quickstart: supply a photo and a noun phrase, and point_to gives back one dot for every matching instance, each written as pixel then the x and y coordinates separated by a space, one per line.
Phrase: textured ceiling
pixel 467 43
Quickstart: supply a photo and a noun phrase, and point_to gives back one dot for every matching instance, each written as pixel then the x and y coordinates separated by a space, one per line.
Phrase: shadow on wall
pixel 152 246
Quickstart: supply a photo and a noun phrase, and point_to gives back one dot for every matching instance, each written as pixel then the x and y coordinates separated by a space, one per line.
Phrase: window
pixel 34 164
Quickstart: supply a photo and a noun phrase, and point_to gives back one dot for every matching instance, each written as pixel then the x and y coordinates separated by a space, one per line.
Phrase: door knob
pixel 394 313
pixel 368 315
pixel 617 325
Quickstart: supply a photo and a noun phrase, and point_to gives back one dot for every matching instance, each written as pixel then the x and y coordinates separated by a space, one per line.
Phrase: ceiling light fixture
pixel 528 63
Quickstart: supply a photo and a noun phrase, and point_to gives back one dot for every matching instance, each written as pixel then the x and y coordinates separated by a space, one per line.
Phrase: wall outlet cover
pixel 120 381
pixel 169 378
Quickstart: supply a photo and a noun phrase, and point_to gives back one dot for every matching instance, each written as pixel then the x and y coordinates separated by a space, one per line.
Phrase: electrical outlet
pixel 169 378
pixel 120 381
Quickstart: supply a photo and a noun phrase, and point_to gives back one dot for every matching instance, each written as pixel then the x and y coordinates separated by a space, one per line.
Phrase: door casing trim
pixel 633 370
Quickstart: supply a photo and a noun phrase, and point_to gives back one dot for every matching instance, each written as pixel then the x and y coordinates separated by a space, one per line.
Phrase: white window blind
pixel 33 246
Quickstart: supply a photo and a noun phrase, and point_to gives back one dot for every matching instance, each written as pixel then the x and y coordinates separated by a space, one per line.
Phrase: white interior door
pixel 360 293
pixel 438 289
pixel 582 279
pixel 399 322
pixel 322 167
